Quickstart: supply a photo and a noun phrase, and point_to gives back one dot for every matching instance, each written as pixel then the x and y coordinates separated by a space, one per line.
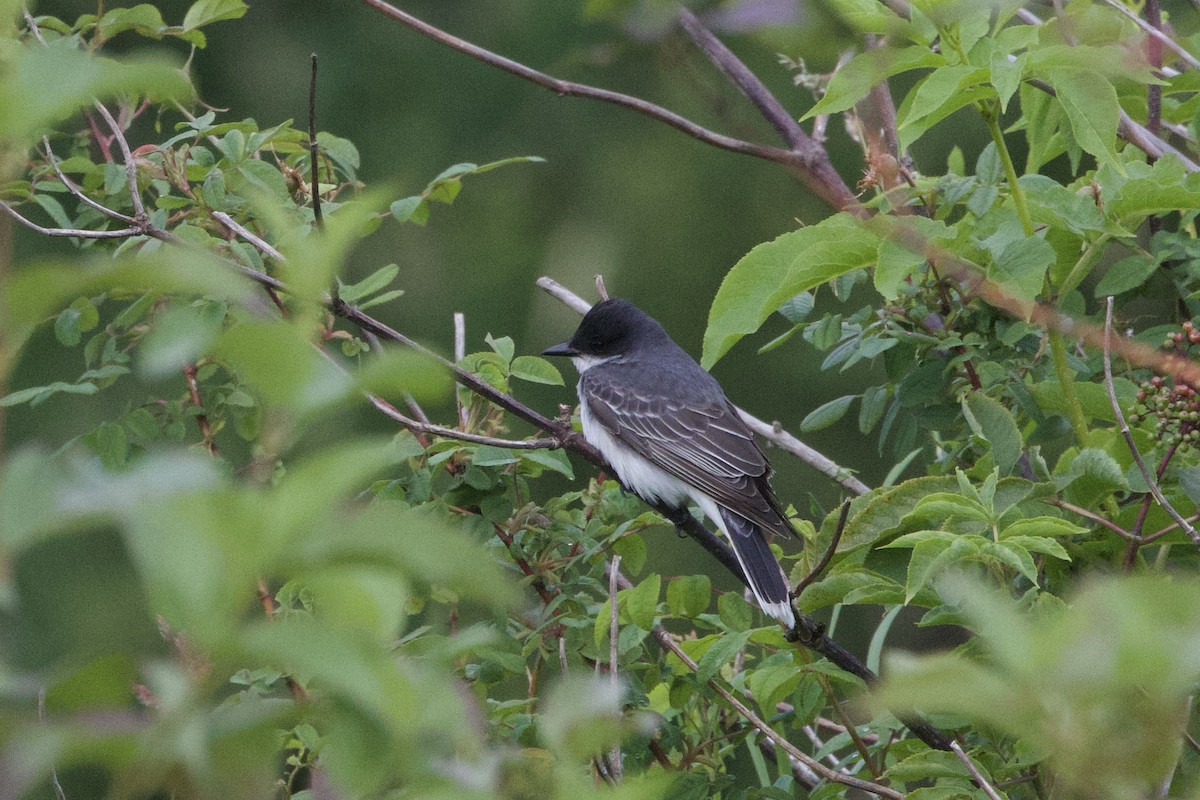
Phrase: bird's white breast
pixel 635 471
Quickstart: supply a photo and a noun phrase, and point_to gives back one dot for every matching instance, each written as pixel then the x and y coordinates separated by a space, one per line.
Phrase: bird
pixel 672 436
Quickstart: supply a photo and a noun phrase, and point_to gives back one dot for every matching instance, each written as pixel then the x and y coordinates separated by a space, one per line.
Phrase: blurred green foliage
pixel 214 584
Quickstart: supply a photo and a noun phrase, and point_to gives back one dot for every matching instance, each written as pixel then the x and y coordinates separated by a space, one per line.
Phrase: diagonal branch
pixel 747 82
pixel 811 168
pixel 1151 481
pixel 78 233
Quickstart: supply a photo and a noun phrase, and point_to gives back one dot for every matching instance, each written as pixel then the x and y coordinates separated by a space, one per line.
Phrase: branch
pixel 1128 435
pixel 980 781
pixel 829 551
pixel 1156 34
pixel 135 196
pixel 74 188
pixel 812 168
pixel 78 233
pixel 747 82
pixel 773 433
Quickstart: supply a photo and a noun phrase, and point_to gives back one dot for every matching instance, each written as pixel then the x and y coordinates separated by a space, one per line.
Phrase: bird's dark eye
pixel 598 342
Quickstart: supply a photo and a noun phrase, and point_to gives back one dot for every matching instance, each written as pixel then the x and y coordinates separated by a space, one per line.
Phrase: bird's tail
pixel 762 571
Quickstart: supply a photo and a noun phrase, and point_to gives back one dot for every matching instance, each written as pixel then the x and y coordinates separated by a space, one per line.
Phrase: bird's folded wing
pixel 705 445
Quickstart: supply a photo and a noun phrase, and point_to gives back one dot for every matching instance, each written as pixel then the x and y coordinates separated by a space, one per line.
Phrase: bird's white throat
pixel 584 363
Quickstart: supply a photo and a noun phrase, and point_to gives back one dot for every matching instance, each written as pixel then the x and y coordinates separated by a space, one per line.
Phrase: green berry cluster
pixel 1175 407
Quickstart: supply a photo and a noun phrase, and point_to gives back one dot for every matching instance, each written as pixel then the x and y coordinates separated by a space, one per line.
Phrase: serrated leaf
pixel 641 602
pixel 1091 106
pixel 555 460
pixel 1041 526
pixel 720 654
pixel 992 421
pixel 689 595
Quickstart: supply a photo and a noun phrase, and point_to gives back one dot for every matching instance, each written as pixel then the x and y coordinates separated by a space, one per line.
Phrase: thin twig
pixel 1094 517
pixel 614 632
pixel 460 352
pixel 746 81
pixel 75 189
pixel 981 781
pixel 1155 56
pixel 820 566
pixel 416 426
pixel 771 432
pixel 313 151
pixel 79 233
pixel 135 195
pixel 812 168
pixel 249 235
pixel 206 432
pixel 1128 435
pixel 1156 34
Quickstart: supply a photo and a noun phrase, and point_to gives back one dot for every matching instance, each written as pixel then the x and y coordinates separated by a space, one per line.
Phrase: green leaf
pixel 897 263
pixel 535 370
pixel 369 285
pixel 939 94
pixel 1128 273
pixel 926 765
pixel 488 456
pixel 1093 397
pixel 720 654
pixel 632 549
pixel 555 460
pixel 734 611
pixel 414 209
pixel 827 413
pixel 35 82
pixel 641 602
pixel 689 595
pixel 1091 475
pixel 1021 267
pixel 862 73
pixel 874 403
pixel 776 271
pixel 992 421
pixel 204 12
pixel 1090 102
pixel 503 347
pixel 144 18
pixel 1041 526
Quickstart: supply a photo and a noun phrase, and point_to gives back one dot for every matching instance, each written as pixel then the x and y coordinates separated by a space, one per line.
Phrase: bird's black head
pixel 611 328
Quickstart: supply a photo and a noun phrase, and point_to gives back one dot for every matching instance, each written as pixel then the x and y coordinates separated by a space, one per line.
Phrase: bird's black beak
pixel 563 349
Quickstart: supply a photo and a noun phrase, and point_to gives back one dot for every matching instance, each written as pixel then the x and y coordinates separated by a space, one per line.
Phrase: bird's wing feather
pixel 703 443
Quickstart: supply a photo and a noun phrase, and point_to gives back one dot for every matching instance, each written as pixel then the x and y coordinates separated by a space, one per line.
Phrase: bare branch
pixel 460 352
pixel 811 168
pixel 614 631
pixel 78 233
pixel 829 551
pixel 771 432
pixel 74 188
pixel 250 236
pixel 746 81
pixel 313 151
pixel 1157 35
pixel 135 196
pixel 1151 482
pixel 416 426
pixel 1098 519
pixel 981 781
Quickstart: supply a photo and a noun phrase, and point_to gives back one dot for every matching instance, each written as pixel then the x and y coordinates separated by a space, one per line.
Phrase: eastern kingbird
pixel 666 427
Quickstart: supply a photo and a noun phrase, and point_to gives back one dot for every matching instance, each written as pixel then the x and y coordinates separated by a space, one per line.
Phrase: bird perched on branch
pixel 671 435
